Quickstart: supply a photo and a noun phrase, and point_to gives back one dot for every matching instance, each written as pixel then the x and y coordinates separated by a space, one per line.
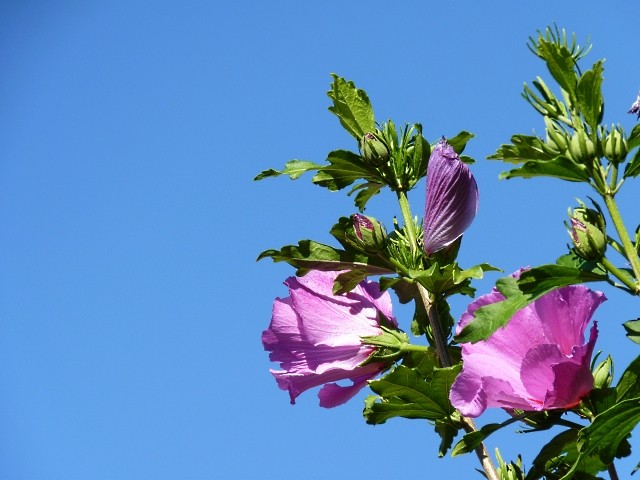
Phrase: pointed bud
pixel 367 234
pixel 588 232
pixel 603 373
pixel 452 198
pixel 374 149
pixel 581 148
pixel 615 146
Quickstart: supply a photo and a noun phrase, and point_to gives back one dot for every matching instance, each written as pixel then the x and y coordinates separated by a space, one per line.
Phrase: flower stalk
pixel 629 250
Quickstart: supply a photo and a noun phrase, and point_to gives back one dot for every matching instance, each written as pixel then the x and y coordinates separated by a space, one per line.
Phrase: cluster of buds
pixel 588 232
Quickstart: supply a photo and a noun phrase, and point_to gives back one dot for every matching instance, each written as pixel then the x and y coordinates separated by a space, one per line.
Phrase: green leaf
pixel 459 142
pixel 589 95
pixel 344 168
pixel 629 383
pixel 447 433
pixel 471 440
pixel 608 430
pixel 531 285
pixel 310 255
pixel 633 140
pixel 347 281
pixel 352 106
pixel 405 290
pixel 633 167
pixel 523 148
pixel 633 330
pixel 365 192
pixel 560 167
pixel 293 168
pixel 560 63
pixel 405 393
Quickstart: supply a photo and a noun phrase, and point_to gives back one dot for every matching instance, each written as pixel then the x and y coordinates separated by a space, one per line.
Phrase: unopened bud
pixel 581 148
pixel 374 149
pixel 557 140
pixel 615 146
pixel 588 232
pixel 603 373
pixel 367 234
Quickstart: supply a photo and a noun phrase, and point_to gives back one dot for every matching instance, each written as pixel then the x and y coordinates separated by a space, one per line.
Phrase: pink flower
pixel 538 361
pixel 316 336
pixel 452 198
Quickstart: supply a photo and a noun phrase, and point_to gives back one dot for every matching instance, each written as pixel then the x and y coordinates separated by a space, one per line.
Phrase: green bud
pixel 615 145
pixel 581 148
pixel 367 234
pixel 603 373
pixel 557 139
pixel 588 232
pixel 374 149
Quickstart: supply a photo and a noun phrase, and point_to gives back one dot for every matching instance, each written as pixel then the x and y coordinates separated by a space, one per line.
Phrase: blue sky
pixel 131 305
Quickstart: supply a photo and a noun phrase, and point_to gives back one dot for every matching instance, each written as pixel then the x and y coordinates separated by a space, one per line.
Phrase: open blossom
pixel 316 336
pixel 452 198
pixel 538 361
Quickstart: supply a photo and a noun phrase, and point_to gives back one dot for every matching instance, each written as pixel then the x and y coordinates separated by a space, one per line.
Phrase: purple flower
pixel 635 108
pixel 452 198
pixel 538 361
pixel 316 336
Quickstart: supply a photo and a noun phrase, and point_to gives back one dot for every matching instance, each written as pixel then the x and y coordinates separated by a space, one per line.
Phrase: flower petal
pixel 452 198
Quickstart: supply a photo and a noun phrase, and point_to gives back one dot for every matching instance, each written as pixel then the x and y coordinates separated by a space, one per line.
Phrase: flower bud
pixel 581 148
pixel 557 140
pixel 603 373
pixel 615 146
pixel 368 234
pixel 588 232
pixel 374 149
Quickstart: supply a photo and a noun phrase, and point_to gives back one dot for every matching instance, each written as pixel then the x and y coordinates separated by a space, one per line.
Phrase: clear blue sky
pixel 131 306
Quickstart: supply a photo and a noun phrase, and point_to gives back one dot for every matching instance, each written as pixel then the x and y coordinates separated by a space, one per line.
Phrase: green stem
pixel 445 360
pixel 410 347
pixel 629 250
pixel 436 327
pixel 619 274
pixel 408 219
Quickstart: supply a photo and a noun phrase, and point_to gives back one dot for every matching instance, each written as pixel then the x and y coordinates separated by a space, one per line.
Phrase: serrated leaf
pixel 629 383
pixel 352 106
pixel 347 281
pixel 633 140
pixel 293 168
pixel 344 168
pixel 633 167
pixel 475 272
pixel 523 148
pixel 589 95
pixel 633 330
pixel 405 393
pixel 471 440
pixel 459 142
pixel 609 429
pixel 531 285
pixel 405 290
pixel 310 255
pixel 365 192
pixel 447 433
pixel 560 63
pixel 560 167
